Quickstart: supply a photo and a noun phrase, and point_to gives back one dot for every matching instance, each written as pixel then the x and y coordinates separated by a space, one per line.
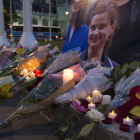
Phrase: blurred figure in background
pixel 76 38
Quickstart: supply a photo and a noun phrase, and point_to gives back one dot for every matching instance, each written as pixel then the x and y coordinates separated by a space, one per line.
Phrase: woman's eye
pixel 93 28
pixel 102 26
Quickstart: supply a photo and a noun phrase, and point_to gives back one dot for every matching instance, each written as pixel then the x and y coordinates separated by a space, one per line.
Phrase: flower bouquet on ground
pixel 39 99
pixel 125 78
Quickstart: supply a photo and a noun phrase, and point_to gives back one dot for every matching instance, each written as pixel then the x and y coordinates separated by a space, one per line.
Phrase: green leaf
pixel 64 128
pixel 134 65
pixel 86 130
pixel 107 76
pixel 122 72
pixel 125 65
pixel 118 69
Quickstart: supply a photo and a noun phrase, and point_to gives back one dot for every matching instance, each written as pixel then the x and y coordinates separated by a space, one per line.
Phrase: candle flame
pixel 101 67
pixel 127 118
pixel 89 96
pixel 27 77
pixel 112 112
pixel 76 100
pixel 21 72
pixel 95 89
pixel 91 103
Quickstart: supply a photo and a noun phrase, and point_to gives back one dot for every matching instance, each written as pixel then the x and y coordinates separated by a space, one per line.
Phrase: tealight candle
pixel 112 115
pixel 91 106
pixel 25 72
pixel 88 98
pixel 138 127
pixel 28 79
pixel 67 75
pixel 32 75
pixel 106 99
pixel 78 102
pixel 95 96
pixel 127 121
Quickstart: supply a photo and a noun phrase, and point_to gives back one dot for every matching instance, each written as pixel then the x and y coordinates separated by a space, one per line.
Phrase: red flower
pixel 39 79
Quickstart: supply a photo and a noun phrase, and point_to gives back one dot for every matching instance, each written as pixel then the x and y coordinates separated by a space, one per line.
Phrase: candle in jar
pixel 28 79
pixel 91 106
pixel 88 98
pixel 67 75
pixel 112 115
pixel 138 127
pixel 95 96
pixel 32 75
pixel 25 72
pixel 106 99
pixel 128 121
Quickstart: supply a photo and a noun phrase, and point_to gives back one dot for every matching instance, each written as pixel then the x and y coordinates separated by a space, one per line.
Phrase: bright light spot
pixel 91 103
pixel 76 100
pixel 127 118
pixel 66 13
pixel 10 34
pixel 56 37
pixel 61 37
pixel 89 96
pixel 45 39
pixel 113 112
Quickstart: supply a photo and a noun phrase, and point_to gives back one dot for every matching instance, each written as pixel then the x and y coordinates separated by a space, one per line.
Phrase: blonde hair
pixel 110 7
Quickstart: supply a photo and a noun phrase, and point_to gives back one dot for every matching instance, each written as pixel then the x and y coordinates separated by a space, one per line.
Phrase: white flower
pixel 95 115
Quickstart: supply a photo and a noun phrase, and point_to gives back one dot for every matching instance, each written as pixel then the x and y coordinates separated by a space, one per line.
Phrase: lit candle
pixel 138 127
pixel 88 98
pixel 25 72
pixel 112 115
pixel 32 75
pixel 95 96
pixel 106 99
pixel 91 106
pixel 78 101
pixel 128 121
pixel 67 75
pixel 28 79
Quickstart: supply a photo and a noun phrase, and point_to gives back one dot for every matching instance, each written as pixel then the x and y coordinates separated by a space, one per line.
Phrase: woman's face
pixel 99 30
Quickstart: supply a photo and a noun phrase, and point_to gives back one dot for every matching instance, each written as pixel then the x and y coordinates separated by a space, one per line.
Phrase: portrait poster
pixel 125 41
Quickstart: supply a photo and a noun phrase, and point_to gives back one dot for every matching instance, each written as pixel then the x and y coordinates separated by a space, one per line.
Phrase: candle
pixel 32 75
pixel 78 102
pixel 112 115
pixel 25 72
pixel 95 96
pixel 91 106
pixel 106 99
pixel 28 79
pixel 88 98
pixel 138 127
pixel 127 121
pixel 67 75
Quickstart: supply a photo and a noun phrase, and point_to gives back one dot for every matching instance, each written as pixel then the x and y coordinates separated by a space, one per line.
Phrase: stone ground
pixel 34 128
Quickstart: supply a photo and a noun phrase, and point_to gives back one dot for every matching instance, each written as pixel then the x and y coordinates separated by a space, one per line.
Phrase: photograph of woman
pixel 101 30
pixel 125 46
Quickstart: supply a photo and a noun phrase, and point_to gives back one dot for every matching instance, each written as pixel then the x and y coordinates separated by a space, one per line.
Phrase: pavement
pixel 36 127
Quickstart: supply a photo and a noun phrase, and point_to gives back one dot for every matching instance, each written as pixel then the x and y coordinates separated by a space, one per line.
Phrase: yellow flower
pixel 5 88
pixel 19 51
pixel 9 95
